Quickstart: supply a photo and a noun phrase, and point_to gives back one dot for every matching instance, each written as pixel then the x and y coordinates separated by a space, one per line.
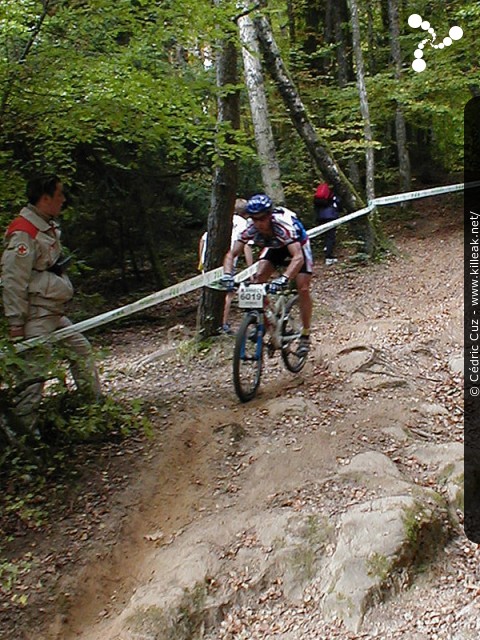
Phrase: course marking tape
pixel 316 231
pixel 187 286
pixel 174 291
pixel 424 193
pixel 399 197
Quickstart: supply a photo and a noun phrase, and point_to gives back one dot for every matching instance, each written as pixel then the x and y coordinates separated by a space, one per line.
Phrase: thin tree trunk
pixel 152 250
pixel 259 109
pixel 362 90
pixel 291 22
pixel 400 127
pixel 146 210
pixel 371 40
pixel 23 56
pixel 224 189
pixel 340 19
pixel 300 119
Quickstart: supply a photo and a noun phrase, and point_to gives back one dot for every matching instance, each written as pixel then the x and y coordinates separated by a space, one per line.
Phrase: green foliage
pixel 184 621
pixel 34 487
pixel 67 418
pixel 121 100
pixel 379 566
pixel 432 101
pixel 189 350
pixel 9 574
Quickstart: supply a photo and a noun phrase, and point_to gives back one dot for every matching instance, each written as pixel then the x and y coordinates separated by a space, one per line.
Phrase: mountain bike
pixel 271 322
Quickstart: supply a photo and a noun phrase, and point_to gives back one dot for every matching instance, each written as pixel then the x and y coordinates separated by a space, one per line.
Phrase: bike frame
pixel 264 313
pixel 271 317
pixel 274 315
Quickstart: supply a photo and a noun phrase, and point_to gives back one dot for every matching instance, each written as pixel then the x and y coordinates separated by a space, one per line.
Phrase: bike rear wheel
pixel 291 331
pixel 248 357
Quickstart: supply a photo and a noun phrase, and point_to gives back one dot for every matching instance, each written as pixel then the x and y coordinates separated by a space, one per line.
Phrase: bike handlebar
pixel 266 286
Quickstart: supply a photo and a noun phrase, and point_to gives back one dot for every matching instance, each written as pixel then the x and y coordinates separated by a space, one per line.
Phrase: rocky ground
pixel 328 507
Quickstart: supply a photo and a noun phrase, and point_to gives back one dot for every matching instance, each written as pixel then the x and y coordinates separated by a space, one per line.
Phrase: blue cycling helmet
pixel 258 204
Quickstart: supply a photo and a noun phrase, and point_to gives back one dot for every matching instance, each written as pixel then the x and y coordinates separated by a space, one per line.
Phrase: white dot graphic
pixel 419 65
pixel 414 21
pixel 455 33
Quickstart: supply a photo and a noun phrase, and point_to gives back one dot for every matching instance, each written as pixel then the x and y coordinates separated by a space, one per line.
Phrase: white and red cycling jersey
pixel 286 229
pixel 283 233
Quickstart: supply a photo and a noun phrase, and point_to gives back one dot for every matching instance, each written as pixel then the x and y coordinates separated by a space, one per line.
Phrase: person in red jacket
pixel 36 290
pixel 326 207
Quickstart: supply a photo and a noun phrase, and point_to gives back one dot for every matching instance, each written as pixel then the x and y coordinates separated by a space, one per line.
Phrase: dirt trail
pixel 214 465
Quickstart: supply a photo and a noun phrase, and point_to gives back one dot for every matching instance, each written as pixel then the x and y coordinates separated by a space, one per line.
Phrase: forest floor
pixel 212 457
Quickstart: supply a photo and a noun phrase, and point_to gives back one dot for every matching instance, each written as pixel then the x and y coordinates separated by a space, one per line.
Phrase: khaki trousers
pixel 81 362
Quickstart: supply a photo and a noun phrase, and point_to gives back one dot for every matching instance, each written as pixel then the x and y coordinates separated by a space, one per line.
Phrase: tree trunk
pixel 219 227
pixel 340 25
pixel 400 127
pixel 371 40
pixel 312 14
pixel 259 109
pixel 362 90
pixel 292 32
pixel 321 156
pixel 146 211
pixel 9 84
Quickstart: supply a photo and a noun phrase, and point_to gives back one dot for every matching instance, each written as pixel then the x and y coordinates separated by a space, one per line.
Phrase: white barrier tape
pixel 187 286
pixel 423 193
pixel 400 197
pixel 316 231
pixel 246 273
pixel 174 291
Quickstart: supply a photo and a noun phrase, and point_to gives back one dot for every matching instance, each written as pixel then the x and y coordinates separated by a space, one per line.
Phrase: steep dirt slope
pixel 387 340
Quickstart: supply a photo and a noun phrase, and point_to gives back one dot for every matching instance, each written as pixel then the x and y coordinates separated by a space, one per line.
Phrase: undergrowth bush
pixel 38 472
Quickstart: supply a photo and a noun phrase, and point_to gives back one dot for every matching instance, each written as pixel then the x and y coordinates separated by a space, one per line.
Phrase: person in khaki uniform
pixel 36 290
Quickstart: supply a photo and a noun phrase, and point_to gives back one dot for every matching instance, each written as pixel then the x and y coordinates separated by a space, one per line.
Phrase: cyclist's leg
pixel 305 304
pixel 264 271
pixel 269 261
pixel 303 281
pixel 305 300
pixel 227 306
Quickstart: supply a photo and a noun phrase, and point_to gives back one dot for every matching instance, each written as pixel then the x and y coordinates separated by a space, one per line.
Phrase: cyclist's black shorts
pixel 282 256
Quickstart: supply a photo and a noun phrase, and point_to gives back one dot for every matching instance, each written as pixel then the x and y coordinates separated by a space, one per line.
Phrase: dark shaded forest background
pixel 120 99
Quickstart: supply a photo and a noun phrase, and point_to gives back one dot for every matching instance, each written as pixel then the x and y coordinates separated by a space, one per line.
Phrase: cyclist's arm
pixel 296 263
pixel 230 256
pixel 248 255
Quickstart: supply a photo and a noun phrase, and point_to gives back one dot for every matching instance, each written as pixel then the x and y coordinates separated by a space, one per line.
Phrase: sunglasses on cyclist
pixel 264 216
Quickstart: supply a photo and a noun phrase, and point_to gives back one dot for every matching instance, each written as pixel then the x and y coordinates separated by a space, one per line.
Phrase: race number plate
pixel 251 297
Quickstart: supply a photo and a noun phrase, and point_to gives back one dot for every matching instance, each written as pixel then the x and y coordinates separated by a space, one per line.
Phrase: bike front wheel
pixel 248 357
pixel 291 332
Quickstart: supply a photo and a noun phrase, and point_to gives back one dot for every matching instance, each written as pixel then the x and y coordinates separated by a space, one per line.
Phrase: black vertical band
pixel 472 319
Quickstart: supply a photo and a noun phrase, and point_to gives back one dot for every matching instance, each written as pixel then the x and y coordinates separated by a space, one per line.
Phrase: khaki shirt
pixel 29 289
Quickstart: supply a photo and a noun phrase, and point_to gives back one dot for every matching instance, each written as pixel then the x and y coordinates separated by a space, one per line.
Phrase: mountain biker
pixel 280 238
